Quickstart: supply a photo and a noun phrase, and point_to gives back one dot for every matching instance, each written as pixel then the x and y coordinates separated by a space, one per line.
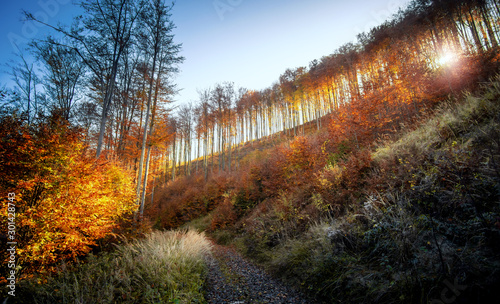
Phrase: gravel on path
pixel 233 280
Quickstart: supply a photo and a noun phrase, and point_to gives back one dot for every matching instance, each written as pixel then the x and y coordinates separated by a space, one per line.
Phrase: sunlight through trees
pixel 104 124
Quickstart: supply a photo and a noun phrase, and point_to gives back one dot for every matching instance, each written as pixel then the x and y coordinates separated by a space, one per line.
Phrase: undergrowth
pixel 165 267
pixel 420 222
pixel 412 219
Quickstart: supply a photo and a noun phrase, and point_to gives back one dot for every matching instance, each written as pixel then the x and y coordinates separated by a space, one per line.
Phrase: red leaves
pixel 224 215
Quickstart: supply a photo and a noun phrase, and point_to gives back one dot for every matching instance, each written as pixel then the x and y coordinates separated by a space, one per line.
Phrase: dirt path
pixel 234 280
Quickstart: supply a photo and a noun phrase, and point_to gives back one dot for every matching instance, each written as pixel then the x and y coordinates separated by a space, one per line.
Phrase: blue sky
pixel 249 42
pixel 14 33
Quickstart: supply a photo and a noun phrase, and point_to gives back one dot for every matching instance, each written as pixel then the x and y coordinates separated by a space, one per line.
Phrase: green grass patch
pixel 200 224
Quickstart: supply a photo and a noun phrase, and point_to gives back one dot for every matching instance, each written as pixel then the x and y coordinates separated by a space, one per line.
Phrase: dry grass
pixel 449 122
pixel 165 267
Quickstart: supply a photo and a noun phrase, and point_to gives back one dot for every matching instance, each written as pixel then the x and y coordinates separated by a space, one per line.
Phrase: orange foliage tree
pixel 65 200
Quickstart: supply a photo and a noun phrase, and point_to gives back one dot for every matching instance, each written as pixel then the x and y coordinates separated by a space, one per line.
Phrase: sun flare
pixel 447 58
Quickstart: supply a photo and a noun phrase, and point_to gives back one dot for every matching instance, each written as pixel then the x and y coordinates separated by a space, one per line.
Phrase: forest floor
pixel 234 280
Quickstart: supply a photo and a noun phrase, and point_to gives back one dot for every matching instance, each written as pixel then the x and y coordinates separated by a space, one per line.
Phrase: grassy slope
pixel 428 217
pixel 165 267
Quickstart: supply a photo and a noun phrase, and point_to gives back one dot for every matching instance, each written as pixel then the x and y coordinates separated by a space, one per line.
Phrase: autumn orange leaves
pixel 66 200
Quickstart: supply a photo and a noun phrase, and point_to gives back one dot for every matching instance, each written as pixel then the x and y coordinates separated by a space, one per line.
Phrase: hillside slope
pixel 421 224
pixel 412 219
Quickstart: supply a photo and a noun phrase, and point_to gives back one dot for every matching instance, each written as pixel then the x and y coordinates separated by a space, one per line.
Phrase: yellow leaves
pixel 66 201
pixel 330 176
pixel 300 153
